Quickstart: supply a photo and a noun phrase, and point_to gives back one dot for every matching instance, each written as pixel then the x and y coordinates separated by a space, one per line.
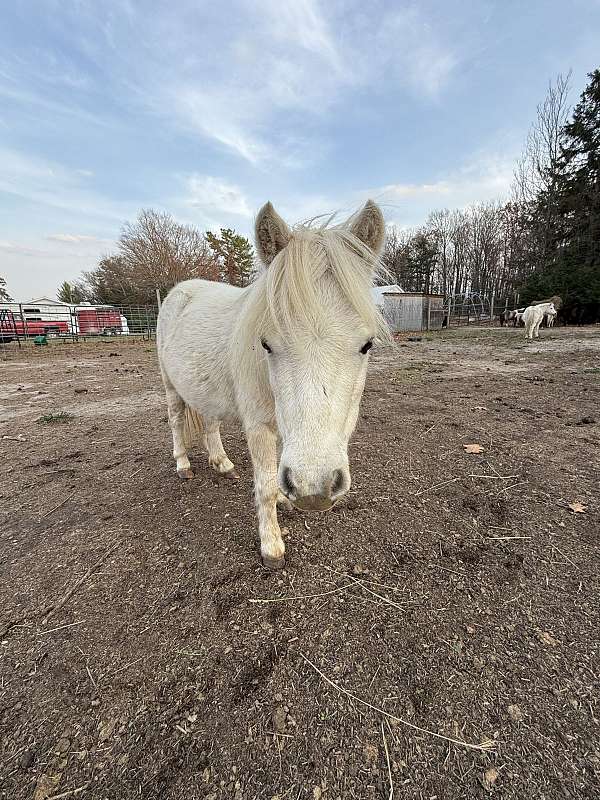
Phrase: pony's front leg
pixel 262 443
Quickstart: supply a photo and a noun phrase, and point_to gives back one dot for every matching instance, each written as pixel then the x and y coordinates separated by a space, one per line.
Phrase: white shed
pixel 46 308
pixel 378 292
pixel 413 311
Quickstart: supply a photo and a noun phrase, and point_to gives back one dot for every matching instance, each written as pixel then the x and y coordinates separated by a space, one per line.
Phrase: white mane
pixel 287 294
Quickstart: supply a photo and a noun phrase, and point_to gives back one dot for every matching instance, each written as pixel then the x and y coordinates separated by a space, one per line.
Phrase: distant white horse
pixel 287 356
pixel 533 316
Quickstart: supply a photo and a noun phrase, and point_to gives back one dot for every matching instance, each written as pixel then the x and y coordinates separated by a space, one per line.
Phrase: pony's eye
pixel 366 347
pixel 265 346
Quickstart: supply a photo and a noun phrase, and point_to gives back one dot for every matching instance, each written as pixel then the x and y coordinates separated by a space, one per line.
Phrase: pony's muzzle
pixel 312 496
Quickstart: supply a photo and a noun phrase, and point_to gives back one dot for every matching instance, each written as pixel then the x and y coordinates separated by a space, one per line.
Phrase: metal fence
pixel 476 309
pixel 461 314
pixel 41 323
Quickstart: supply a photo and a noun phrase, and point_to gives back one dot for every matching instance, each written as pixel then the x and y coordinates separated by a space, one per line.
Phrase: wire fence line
pixel 35 324
pixel 47 322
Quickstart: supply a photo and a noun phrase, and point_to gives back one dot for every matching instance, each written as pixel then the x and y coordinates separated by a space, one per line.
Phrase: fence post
pixel 492 307
pixel 23 320
pixel 158 300
pixel 429 313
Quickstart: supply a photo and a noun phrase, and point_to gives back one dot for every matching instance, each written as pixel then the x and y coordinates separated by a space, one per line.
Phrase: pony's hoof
pixel 284 503
pixel 185 474
pixel 231 475
pixel 273 563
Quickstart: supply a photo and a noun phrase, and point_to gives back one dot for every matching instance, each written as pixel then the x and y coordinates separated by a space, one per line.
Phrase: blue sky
pixel 209 109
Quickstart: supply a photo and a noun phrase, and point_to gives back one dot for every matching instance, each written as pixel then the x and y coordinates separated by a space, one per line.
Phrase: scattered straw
pixel 130 664
pixel 69 793
pixel 61 627
pixel 53 609
pixel 387 758
pixel 378 596
pixel 59 505
pixel 299 596
pixel 508 488
pixel 554 547
pixel 436 486
pixel 494 477
pixel 486 745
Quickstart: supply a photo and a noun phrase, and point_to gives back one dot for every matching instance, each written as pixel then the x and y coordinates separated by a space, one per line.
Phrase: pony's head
pixel 551 310
pixel 317 325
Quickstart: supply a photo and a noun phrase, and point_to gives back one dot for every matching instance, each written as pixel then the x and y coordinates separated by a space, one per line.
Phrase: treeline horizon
pixel 543 241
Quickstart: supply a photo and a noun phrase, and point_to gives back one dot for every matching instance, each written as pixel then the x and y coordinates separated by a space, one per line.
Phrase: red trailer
pixel 12 326
pixel 98 320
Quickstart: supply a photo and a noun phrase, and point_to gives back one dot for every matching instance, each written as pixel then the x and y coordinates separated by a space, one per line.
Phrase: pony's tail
pixel 193 426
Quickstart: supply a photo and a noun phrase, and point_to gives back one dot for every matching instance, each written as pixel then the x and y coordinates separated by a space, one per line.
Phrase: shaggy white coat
pixel 287 356
pixel 533 316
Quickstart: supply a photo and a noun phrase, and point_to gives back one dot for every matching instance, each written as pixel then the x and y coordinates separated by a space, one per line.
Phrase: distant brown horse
pixel 555 299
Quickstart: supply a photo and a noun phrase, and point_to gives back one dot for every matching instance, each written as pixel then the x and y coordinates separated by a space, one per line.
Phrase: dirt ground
pixel 146 653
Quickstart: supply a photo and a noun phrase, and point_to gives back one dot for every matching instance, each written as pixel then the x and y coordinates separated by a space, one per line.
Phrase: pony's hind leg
pixel 217 457
pixel 176 409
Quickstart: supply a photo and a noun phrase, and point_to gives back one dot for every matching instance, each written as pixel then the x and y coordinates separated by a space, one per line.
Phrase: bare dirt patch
pixel 456 591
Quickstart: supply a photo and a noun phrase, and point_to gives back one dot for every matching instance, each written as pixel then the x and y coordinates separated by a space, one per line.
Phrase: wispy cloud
pixel 22 250
pixel 206 110
pixel 302 25
pixel 216 196
pixel 412 53
pixel 280 68
pixel 485 177
pixel 74 238
pixel 213 114
pixel 55 185
pixel 286 64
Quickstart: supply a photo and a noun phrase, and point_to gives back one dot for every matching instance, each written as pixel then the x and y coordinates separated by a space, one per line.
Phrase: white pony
pixel 533 316
pixel 287 356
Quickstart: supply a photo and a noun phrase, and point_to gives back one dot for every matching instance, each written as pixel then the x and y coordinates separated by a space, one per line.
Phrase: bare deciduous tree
pixel 160 252
pixel 154 252
pixel 536 175
pixel 536 169
pixel 459 251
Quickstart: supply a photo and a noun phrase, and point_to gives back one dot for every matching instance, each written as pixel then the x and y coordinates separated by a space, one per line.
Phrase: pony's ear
pixel 271 233
pixel 369 226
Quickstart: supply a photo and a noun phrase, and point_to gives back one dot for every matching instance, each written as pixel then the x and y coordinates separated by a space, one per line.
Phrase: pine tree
pixel 235 255
pixel 70 293
pixel 573 267
pixel 4 295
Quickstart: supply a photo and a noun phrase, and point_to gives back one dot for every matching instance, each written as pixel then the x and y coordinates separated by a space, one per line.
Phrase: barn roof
pixel 44 301
pixel 377 292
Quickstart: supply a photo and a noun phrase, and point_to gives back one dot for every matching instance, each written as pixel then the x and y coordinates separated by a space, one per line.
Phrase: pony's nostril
pixel 287 482
pixel 338 482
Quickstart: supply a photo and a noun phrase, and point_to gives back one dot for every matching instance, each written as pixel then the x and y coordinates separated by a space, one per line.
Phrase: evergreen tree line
pixel 545 241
